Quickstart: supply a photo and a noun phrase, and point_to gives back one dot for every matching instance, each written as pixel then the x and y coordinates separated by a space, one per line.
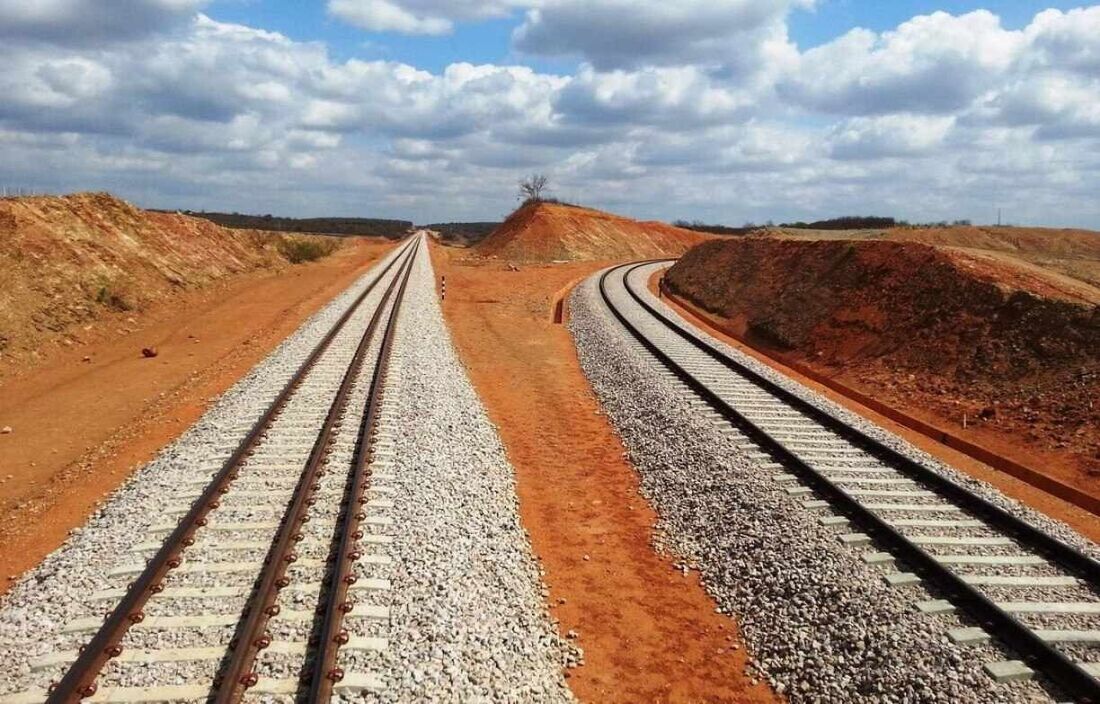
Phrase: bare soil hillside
pixel 547 232
pixel 1074 254
pixel 939 329
pixel 67 262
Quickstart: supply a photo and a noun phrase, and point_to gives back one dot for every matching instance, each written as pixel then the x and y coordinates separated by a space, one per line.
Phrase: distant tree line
pixel 463 232
pixel 847 222
pixel 351 227
pixel 699 226
pixel 869 222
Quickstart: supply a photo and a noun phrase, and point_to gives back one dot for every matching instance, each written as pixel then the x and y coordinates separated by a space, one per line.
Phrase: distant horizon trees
pixel 847 222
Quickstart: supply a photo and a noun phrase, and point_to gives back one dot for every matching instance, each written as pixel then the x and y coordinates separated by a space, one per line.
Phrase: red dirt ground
pixel 80 428
pixel 649 632
pixel 934 332
pixel 549 232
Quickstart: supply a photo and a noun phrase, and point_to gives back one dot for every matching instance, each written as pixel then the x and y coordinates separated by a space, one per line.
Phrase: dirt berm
pixel 548 232
pixel 936 331
pixel 69 261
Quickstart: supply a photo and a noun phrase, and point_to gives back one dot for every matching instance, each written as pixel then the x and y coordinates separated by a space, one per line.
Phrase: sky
pixel 724 111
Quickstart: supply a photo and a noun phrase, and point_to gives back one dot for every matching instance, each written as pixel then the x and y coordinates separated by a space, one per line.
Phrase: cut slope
pixel 919 327
pixel 67 261
pixel 1073 254
pixel 545 232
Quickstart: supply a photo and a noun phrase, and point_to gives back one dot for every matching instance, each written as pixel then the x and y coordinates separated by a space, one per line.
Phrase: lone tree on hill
pixel 532 188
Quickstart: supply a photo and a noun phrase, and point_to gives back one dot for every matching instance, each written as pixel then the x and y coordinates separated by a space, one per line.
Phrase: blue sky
pixel 719 110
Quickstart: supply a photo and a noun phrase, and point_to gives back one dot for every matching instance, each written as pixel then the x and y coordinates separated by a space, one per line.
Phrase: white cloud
pixel 418 16
pixel 889 136
pixel 1066 40
pixel 718 117
pixel 80 22
pixel 737 35
pixel 937 63
pixel 675 97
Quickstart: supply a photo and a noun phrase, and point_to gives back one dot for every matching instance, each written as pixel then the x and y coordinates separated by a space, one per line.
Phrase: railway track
pixel 270 574
pixel 1002 578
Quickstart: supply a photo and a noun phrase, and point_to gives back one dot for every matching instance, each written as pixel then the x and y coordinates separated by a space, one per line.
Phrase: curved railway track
pixel 266 577
pixel 1034 594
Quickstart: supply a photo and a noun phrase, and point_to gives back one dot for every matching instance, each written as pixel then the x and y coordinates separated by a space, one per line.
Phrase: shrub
pixel 112 299
pixel 298 250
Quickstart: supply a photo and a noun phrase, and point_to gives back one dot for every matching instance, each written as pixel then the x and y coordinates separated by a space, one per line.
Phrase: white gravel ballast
pixel 821 623
pixel 467 616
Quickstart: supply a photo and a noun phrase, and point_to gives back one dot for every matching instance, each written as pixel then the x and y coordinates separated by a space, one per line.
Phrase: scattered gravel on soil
pixel 468 614
pixel 822 625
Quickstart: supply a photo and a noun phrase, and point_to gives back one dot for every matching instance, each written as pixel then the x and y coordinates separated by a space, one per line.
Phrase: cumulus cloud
pixel 675 97
pixel 691 109
pixel 889 136
pixel 937 63
pixel 738 34
pixel 1065 40
pixel 83 22
pixel 418 16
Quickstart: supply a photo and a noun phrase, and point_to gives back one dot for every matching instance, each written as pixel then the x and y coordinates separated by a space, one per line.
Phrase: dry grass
pixel 298 250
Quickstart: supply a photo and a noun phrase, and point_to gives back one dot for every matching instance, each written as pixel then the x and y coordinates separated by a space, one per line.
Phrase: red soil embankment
pixel 547 232
pixel 1070 257
pixel 936 332
pixel 71 262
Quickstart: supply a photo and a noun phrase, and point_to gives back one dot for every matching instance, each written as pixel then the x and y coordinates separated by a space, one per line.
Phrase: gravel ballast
pixel 57 592
pixel 467 621
pixel 468 615
pixel 822 625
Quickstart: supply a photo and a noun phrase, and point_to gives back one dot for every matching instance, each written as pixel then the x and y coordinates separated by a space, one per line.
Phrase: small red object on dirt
pixel 149 352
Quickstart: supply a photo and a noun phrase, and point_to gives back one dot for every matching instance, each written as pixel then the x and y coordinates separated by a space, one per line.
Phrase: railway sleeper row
pixel 822 470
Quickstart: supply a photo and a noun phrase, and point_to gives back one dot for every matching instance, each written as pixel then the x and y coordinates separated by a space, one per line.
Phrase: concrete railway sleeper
pixel 272 508
pixel 977 559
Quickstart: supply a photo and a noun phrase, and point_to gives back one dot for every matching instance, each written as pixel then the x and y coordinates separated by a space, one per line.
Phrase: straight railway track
pixel 1005 579
pixel 263 575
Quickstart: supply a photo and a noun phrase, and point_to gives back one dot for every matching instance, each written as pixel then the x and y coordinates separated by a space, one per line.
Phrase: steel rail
pixel 1065 555
pixel 238 675
pixel 1062 671
pixel 325 672
pixel 79 681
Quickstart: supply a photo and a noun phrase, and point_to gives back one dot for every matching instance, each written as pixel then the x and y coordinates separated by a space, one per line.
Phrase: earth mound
pixel 919 326
pixel 1065 253
pixel 547 232
pixel 68 261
